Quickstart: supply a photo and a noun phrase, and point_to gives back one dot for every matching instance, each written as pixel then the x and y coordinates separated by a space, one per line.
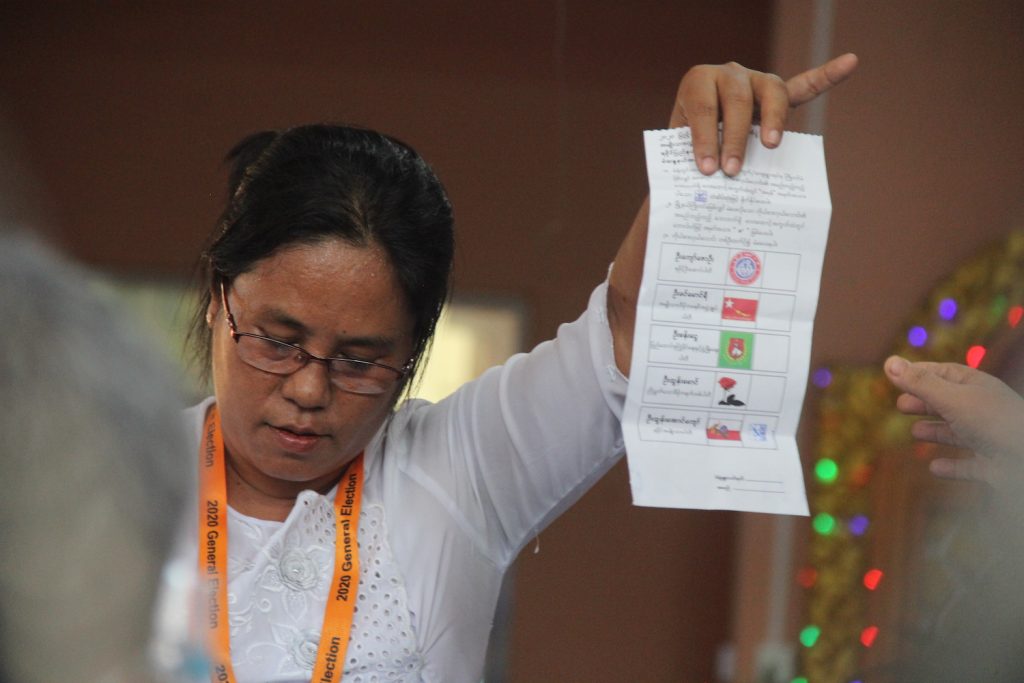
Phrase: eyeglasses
pixel 281 358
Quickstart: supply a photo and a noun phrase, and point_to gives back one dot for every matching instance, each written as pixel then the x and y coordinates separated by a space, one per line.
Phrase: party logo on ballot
pixel 735 308
pixel 735 349
pixel 745 268
pixel 730 388
pixel 722 431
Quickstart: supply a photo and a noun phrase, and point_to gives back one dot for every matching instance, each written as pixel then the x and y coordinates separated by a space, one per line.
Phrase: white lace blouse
pixel 453 491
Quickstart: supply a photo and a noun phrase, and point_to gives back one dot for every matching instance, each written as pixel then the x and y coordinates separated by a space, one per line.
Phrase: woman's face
pixel 332 299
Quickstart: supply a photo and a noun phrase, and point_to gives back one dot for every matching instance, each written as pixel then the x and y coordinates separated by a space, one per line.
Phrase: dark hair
pixel 316 182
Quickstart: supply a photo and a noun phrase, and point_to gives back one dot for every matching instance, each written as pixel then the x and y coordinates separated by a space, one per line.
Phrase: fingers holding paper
pixel 735 96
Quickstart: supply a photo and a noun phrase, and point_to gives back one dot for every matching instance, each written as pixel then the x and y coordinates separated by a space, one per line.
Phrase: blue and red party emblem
pixel 745 267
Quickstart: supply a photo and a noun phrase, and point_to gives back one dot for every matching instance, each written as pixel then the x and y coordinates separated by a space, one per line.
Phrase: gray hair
pixel 94 468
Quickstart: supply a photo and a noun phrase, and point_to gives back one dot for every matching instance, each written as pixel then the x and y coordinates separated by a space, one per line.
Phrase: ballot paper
pixel 723 329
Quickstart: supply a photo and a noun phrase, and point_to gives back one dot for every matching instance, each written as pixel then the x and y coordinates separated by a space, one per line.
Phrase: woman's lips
pixel 295 442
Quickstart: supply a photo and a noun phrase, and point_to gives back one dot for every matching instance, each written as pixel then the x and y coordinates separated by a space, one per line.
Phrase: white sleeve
pixel 510 451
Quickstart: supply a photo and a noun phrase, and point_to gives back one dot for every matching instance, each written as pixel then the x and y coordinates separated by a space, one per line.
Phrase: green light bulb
pixel 826 470
pixel 809 636
pixel 824 523
pixel 997 308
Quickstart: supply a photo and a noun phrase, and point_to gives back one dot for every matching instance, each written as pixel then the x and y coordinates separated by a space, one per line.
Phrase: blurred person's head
pixel 94 470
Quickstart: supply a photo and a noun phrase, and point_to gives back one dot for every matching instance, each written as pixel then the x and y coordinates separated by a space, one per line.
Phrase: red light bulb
pixel 872 578
pixel 807 577
pixel 974 355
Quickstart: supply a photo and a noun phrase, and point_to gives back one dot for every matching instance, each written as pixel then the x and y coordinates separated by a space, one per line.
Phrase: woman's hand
pixel 736 96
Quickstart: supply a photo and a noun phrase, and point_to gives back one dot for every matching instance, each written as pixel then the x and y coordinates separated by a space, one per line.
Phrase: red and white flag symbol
pixel 735 308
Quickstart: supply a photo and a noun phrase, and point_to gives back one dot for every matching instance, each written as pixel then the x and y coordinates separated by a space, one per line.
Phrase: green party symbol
pixel 735 349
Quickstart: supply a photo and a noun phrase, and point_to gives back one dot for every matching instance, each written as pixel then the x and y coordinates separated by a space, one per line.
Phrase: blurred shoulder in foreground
pixel 94 470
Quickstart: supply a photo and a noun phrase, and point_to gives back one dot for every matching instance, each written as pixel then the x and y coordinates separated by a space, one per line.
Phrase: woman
pixel 324 284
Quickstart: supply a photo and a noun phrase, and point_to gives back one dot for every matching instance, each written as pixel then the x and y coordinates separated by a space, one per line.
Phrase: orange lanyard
pixel 213 562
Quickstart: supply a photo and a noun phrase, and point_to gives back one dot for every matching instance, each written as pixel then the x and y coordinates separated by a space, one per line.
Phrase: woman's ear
pixel 213 309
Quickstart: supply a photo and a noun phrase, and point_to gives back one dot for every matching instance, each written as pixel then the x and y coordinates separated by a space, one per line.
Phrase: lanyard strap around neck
pixel 213 562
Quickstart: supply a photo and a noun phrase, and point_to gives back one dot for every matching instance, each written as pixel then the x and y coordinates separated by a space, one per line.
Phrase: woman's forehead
pixel 327 286
pixel 328 256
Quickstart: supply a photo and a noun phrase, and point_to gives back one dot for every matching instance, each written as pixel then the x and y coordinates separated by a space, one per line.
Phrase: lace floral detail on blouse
pixel 279 578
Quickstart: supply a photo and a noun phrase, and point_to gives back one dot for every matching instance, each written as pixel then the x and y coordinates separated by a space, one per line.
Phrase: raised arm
pixel 736 96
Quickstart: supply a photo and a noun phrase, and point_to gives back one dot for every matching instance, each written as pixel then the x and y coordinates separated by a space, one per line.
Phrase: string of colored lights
pixel 982 301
